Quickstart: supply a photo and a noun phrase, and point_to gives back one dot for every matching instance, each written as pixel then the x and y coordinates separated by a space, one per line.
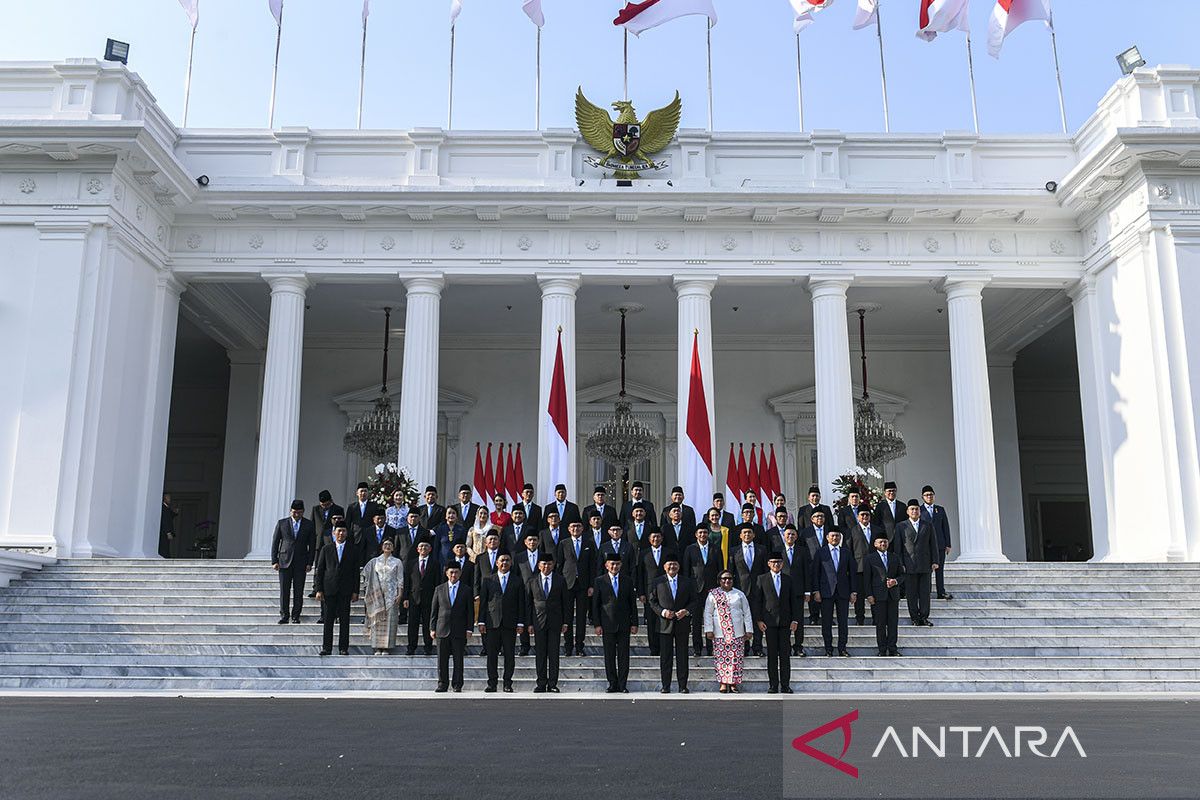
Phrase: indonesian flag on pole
pixel 557 426
pixel 697 458
pixel 776 486
pixel 501 476
pixel 489 484
pixel 941 16
pixel 732 490
pixel 866 14
pixel 512 488
pixel 1008 15
pixel 479 495
pixel 192 9
pixel 806 11
pixel 519 480
pixel 533 9
pixel 276 7
pixel 764 478
pixel 753 485
pixel 743 481
pixel 455 10
pixel 638 17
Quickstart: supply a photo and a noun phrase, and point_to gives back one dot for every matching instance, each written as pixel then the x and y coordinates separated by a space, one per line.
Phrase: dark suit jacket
pixel 777 610
pixel 287 549
pixel 483 569
pixel 372 545
pixel 607 517
pixel 548 544
pixel 677 541
pixel 883 516
pixel 576 572
pixel 614 611
pixel 628 554
pixel 447 620
pixel 839 583
pixel 774 538
pixel 466 573
pixel 875 576
pixel 659 598
pixel 728 520
pixel 626 515
pixel 805 512
pixel 688 520
pixel 631 536
pixel 570 513
pixel 513 542
pixel 704 576
pixel 745 574
pixel 467 519
pixel 860 544
pixel 357 522
pixel 406 543
pixel 940 522
pixel 533 515
pixel 443 542
pixel 799 569
pixel 429 520
pixel 418 590
pixel 502 610
pixel 648 571
pixel 808 538
pixel 848 518
pixel 545 611
pixel 522 566
pixel 323 520
pixel 336 579
pixel 919 546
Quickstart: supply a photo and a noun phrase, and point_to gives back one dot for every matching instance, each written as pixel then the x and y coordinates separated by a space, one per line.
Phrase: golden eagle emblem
pixel 627 142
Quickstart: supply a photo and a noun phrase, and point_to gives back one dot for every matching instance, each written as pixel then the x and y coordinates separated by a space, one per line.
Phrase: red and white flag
pixel 511 487
pixel 1008 15
pixel 479 494
pixel 806 11
pixel 501 486
pixel 489 484
pixel 276 7
pixel 753 485
pixel 866 14
pixel 743 480
pixel 696 457
pixel 732 487
pixel 941 16
pixel 764 479
pixel 557 427
pixel 776 485
pixel 519 480
pixel 533 9
pixel 192 9
pixel 647 14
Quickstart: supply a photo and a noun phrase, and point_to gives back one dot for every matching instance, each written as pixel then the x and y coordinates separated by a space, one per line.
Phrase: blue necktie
pixel 503 583
pixel 453 592
pixel 615 585
pixel 672 588
pixel 576 549
pixel 836 558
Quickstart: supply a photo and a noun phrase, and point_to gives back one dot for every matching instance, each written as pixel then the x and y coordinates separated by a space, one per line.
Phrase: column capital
pixel 1084 287
pixel 430 284
pixel 62 228
pixel 286 282
pixel 829 287
pixel 171 282
pixel 694 285
pixel 1001 360
pixel 562 285
pixel 960 286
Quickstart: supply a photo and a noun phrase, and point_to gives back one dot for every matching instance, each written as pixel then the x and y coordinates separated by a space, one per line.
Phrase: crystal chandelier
pixel 376 435
pixel 876 441
pixel 622 440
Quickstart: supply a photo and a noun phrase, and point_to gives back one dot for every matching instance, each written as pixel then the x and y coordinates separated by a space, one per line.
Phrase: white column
pixel 164 323
pixel 834 396
pixel 279 422
pixel 419 383
pixel 1008 456
pixel 1092 396
pixel 974 443
pixel 558 312
pixel 241 451
pixel 695 325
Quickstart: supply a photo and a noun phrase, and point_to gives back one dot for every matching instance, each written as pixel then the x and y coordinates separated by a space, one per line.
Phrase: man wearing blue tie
pixel 451 617
pixel 883 577
pixel 567 511
pixel 835 587
pixel 337 582
pixel 614 610
pixel 672 601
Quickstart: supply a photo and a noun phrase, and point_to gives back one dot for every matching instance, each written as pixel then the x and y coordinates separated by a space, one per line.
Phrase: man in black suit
pixel 553 533
pixel 936 516
pixel 617 545
pixel 687 518
pixel 408 536
pixel 637 531
pixel 847 518
pixel 595 533
pixel 451 615
pixel 614 611
pixel 674 534
pixel 512 535
pixel 432 514
pixel 779 523
pixel 835 587
pixel 750 517
pixel 485 562
pixel 567 511
pixel 575 565
pixel 702 564
pixel 651 562
pixel 420 579
pixel 747 561
pixel 918 546
pixel 466 569
pixel 292 557
pixel 337 581
pixel 888 513
pixel 501 618
pixel 881 583
pixel 359 515
pixel 860 538
pixel 376 534
pixel 546 614
pixel 322 516
pixel 466 508
pixel 773 606
pixel 814 503
pixel 797 565
pixel 727 519
pixel 608 514
pixel 813 537
pixel 637 495
pixel 673 603
pixel 526 566
pixel 533 512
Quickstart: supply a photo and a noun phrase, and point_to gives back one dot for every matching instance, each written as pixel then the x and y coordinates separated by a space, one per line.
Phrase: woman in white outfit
pixel 728 624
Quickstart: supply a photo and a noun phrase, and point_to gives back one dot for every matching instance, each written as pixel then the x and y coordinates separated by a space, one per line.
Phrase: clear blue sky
pixel 753 52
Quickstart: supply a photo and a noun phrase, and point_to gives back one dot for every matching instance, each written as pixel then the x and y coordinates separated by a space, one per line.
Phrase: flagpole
pixel 626 63
pixel 537 84
pixel 187 80
pixel 450 104
pixel 887 124
pixel 362 73
pixel 1062 103
pixel 971 75
pixel 710 85
pixel 799 83
pixel 275 71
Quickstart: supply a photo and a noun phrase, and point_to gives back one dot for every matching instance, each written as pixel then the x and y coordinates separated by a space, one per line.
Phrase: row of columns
pixel 974 446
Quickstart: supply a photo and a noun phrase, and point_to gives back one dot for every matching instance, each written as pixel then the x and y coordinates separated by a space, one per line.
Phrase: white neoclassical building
pixel 1027 325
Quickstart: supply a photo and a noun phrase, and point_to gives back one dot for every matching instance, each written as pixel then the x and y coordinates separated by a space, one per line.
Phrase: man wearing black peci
pixel 575 565
pixel 774 608
pixel 501 618
pixel 672 601
pixel 525 564
pixel 797 565
pixel 421 577
pixel 651 563
pixel 747 561
pixel 614 610
pixel 546 609
pixel 359 514
pixel 936 515
pixel 702 564
pixel 337 581
pixel 835 587
pixel 451 616
pixel 918 547
pixel 600 504
pixel 637 496
pixel 882 579
pixel 292 557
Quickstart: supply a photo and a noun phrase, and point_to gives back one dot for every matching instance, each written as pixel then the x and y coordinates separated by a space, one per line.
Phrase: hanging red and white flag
pixel 941 16
pixel 511 487
pixel 753 485
pixel 501 477
pixel 519 480
pixel 1008 15
pixel 866 14
pixel 764 478
pixel 743 481
pixel 276 7
pixel 696 458
pixel 732 488
pixel 557 427
pixel 638 17
pixel 533 10
pixel 192 9
pixel 806 11
pixel 776 485
pixel 489 484
pixel 479 493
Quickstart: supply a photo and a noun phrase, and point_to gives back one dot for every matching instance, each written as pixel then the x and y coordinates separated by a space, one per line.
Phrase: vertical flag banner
pixel 743 481
pixel 639 17
pixel 753 485
pixel 1008 15
pixel 455 10
pixel 276 7
pixel 192 9
pixel 479 494
pixel 696 470
pixel 501 476
pixel 511 487
pixel 866 14
pixel 776 485
pixel 520 478
pixel 764 478
pixel 732 490
pixel 941 16
pixel 557 426
pixel 533 10
pixel 489 483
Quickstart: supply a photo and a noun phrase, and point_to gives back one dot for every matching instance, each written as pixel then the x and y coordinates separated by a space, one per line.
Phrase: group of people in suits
pixel 547 577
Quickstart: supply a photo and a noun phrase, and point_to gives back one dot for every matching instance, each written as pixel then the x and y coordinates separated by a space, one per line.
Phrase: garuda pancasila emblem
pixel 626 144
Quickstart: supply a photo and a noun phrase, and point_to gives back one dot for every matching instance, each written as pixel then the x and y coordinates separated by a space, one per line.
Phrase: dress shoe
pixel 828 651
pixel 568 651
pixel 800 651
pixel 283 620
pixel 786 690
pixel 441 689
pixel 611 690
pixel 624 691
pixel 343 652
pixel 490 690
pixel 410 651
pixel 580 652
pixel 458 690
pixel 320 620
pixel 312 595
pixel 895 652
pixel 524 651
pixel 684 690
pixel 508 688
pixel 758 652
pixel 883 651
pixel 927 623
pixel 945 597
pixel 696 652
pixel 428 651
pixel 554 689
pixel 539 690
pixel 324 653
pixel 860 621
pixel 813 621
pixel 295 620
pixel 664 690
pixel 844 653
pixel 773 690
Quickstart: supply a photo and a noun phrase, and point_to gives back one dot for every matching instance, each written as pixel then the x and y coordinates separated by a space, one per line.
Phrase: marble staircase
pixel 209 626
